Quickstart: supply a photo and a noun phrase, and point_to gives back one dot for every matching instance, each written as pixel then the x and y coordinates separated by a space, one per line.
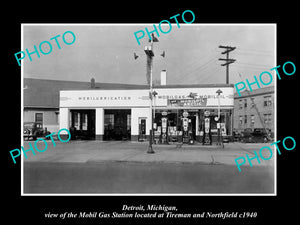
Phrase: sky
pixel 105 52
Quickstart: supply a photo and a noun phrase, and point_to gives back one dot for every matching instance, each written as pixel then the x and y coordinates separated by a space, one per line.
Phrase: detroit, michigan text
pixel 150 207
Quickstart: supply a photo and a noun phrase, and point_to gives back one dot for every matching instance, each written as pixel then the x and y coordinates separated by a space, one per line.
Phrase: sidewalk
pixel 125 151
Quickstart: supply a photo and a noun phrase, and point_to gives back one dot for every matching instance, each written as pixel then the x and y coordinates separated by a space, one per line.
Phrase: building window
pixel 76 119
pixel 245 103
pixel 240 104
pixel 128 121
pixel 252 121
pixel 39 117
pixel 267 101
pixel 84 121
pixel 109 121
pixel 268 118
pixel 245 119
pixel 240 121
pixel 252 103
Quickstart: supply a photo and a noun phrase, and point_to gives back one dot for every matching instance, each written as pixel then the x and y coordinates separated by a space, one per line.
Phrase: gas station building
pixel 180 113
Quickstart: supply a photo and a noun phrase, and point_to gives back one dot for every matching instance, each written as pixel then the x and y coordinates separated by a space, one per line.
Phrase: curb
pixel 153 162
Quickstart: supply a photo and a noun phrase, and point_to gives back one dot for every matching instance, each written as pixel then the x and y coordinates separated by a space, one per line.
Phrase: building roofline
pixel 250 95
pixel 256 92
pixel 192 85
pixel 146 87
pixel 39 107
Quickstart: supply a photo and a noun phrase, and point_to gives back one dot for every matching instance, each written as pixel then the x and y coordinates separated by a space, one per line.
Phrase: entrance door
pixel 193 127
pixel 142 129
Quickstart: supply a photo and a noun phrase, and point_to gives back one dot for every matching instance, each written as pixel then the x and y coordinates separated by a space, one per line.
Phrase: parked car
pixel 225 139
pixel 258 135
pixel 236 136
pixel 246 136
pixel 261 135
pixel 34 130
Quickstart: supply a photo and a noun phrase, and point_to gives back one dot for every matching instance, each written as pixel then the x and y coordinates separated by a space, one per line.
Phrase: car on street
pixel 34 130
pixel 225 139
pixel 262 135
pixel 236 136
pixel 258 135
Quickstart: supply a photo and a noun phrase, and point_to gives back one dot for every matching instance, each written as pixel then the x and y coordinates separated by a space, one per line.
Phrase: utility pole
pixel 228 60
pixel 149 76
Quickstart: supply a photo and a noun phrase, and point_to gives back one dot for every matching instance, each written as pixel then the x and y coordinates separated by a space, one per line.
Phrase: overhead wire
pixel 254 65
pixel 191 73
pixel 194 65
pixel 204 74
pixel 256 51
pixel 194 73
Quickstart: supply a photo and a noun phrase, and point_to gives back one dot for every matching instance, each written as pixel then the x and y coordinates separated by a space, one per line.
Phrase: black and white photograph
pixel 139 113
pixel 148 109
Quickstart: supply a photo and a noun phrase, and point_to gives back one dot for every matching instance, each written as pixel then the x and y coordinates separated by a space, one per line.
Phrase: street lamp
pixel 149 52
pixel 219 124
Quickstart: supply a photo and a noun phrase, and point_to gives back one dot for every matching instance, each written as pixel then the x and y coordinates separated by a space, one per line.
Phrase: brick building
pixel 255 109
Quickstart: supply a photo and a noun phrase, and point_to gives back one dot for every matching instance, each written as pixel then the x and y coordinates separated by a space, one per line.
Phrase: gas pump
pixel 207 129
pixel 185 127
pixel 185 133
pixel 164 129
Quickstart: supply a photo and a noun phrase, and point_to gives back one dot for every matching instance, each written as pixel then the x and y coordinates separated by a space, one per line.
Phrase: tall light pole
pixel 150 54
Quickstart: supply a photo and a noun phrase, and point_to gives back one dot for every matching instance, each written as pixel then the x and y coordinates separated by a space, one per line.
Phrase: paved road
pixel 130 177
pixel 125 167
pixel 95 151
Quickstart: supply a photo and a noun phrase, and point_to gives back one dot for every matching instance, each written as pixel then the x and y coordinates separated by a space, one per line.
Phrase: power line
pixel 201 66
pixel 255 54
pixel 254 65
pixel 211 75
pixel 211 56
pixel 210 67
pixel 191 67
pixel 205 65
pixel 255 50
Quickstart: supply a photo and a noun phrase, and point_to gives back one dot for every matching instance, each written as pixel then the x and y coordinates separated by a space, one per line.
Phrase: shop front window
pixel 189 123
pixel 225 121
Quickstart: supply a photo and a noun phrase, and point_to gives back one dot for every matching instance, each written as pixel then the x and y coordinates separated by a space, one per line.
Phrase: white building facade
pixel 124 114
